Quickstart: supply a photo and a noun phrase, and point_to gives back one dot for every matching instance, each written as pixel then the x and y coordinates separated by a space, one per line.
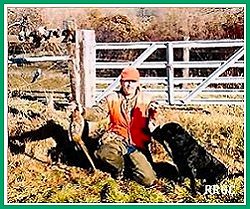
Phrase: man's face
pixel 129 87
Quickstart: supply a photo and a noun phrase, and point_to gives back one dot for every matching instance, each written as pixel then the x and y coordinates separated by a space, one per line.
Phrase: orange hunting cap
pixel 130 73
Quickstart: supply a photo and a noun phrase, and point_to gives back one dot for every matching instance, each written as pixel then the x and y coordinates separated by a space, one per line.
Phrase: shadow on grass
pixel 66 151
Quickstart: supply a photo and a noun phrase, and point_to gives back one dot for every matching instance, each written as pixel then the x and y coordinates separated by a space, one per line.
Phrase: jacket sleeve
pixel 97 112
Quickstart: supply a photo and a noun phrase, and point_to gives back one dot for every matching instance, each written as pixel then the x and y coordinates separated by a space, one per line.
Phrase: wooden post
pixel 76 73
pixel 170 72
pixel 84 72
pixel 88 77
pixel 186 59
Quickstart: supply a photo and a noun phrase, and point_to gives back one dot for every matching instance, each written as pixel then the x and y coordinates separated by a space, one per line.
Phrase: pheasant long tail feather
pixel 75 134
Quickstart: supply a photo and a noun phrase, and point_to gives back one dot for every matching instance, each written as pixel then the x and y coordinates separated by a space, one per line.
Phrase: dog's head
pixel 172 129
pixel 167 132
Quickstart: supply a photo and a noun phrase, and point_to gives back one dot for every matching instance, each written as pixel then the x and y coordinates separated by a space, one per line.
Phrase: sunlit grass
pixel 29 180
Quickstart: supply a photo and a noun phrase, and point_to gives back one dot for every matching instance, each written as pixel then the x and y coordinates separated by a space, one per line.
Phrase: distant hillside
pixel 139 23
pixel 55 16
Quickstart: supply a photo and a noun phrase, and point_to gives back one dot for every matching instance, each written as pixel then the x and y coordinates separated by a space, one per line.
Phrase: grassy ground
pixel 35 129
pixel 33 177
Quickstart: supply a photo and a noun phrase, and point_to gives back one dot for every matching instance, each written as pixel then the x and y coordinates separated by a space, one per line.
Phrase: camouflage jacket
pixel 129 118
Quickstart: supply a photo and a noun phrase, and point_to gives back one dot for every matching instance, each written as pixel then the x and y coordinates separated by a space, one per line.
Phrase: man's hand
pixel 153 109
pixel 154 105
pixel 72 106
pixel 76 107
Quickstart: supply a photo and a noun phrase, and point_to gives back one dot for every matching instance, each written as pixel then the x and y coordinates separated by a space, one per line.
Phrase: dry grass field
pixel 37 130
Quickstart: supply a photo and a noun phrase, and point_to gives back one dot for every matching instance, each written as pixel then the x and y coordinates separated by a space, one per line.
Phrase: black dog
pixel 191 159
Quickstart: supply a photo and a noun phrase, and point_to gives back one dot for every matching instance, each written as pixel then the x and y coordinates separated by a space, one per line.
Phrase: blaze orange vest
pixel 135 129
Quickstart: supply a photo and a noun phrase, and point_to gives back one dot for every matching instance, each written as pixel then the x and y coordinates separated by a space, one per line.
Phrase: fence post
pixel 84 73
pixel 170 72
pixel 186 53
pixel 88 77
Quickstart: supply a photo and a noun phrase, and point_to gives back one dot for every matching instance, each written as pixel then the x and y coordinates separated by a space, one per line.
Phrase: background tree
pixel 30 18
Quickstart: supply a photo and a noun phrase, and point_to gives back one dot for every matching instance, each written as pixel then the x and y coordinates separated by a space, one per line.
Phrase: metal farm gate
pixel 198 92
pixel 167 88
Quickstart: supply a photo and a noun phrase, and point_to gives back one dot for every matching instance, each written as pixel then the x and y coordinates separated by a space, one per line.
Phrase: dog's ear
pixel 173 128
